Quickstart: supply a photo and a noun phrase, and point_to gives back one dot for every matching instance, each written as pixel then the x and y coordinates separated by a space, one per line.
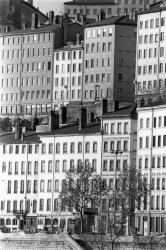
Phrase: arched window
pixel 48 221
pixel 2 222
pixel 8 221
pixel 55 221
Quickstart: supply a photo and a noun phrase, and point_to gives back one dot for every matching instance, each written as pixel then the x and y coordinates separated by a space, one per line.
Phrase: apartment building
pixel 109 60
pixel 151 53
pixel 151 162
pixel 119 149
pixel 92 9
pixel 17 14
pixel 68 75
pixel 33 173
pixel 26 70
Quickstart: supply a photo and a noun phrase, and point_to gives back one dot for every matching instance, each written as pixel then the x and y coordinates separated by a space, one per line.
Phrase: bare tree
pixel 82 188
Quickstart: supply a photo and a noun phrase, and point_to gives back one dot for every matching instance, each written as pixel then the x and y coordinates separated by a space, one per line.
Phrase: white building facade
pixel 151 162
pixel 33 171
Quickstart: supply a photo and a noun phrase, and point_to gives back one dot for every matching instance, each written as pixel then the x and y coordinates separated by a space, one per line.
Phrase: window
pixel 105 146
pixel 140 163
pixel 28 186
pixel 64 166
pixel 35 186
pixel 154 141
pixel 56 185
pixel 36 167
pixel 57 164
pixel 49 166
pixel 105 165
pixel 119 128
pixel 87 147
pixel 42 166
pixel 125 145
pixel 29 167
pixel 49 186
pixel 72 147
pixel 55 205
pixel 50 150
pixel 22 187
pixel 94 147
pixel 65 148
pixel 72 165
pixel 94 165
pixel 158 184
pixel 43 151
pixel 48 204
pixel 9 187
pixel 111 165
pixel 147 142
pixel 79 147
pixel 42 186
pixel 41 205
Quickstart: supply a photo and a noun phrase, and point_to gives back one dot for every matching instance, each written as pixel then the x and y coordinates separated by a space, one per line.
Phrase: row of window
pixel 118 128
pixel 59 148
pixel 158 183
pixel 152 69
pixel 97 94
pixel 158 203
pixel 26 109
pixel 67 81
pixel 68 55
pixel 152 38
pixel 25 81
pixel 152 23
pixel 150 53
pixel 158 122
pixel 17 168
pixel 157 141
pixel 68 94
pixel 98 47
pixel 111 165
pixel 99 78
pixel 7 205
pixel 157 224
pixel 155 84
pixel 111 146
pixel 68 68
pixel 15 40
pixel 26 67
pixel 25 53
pixel 157 162
pixel 32 186
pixel 98 62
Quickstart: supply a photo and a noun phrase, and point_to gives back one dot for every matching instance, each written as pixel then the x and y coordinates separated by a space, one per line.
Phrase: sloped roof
pixel 9 138
pixel 120 20
pixel 91 2
pixel 129 111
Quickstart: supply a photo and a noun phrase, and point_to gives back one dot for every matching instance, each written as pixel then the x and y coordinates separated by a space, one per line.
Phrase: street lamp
pixel 116 152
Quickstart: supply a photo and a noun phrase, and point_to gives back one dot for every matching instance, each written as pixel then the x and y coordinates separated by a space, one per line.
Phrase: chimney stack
pixel 51 17
pixel 30 2
pixel 82 118
pixel 34 23
pixel 104 106
pixel 18 129
pixel 53 120
pixel 78 38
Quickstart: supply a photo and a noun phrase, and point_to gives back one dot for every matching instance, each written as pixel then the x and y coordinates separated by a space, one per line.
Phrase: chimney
pixel 51 17
pixel 104 106
pixel 116 107
pixel 30 2
pixel 34 23
pixel 99 17
pixel 78 38
pixel 18 130
pixel 102 14
pixel 63 115
pixel 23 133
pixel 82 118
pixel 53 120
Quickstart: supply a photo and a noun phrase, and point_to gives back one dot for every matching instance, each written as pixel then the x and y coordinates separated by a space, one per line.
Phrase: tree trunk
pixel 81 216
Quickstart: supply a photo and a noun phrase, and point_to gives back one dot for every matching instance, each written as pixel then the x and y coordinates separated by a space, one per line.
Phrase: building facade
pixel 93 8
pixel 33 172
pixel 151 53
pixel 151 162
pixel 109 60
pixel 119 151
pixel 17 14
pixel 26 66
pixel 68 75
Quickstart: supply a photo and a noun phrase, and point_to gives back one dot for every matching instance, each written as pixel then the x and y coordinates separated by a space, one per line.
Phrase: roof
pixel 93 128
pixel 45 28
pixel 129 111
pixel 33 137
pixel 34 8
pixel 155 7
pixel 9 138
pixel 91 2
pixel 120 20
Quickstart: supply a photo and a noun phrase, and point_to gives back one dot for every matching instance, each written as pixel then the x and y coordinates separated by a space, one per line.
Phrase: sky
pixel 47 5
